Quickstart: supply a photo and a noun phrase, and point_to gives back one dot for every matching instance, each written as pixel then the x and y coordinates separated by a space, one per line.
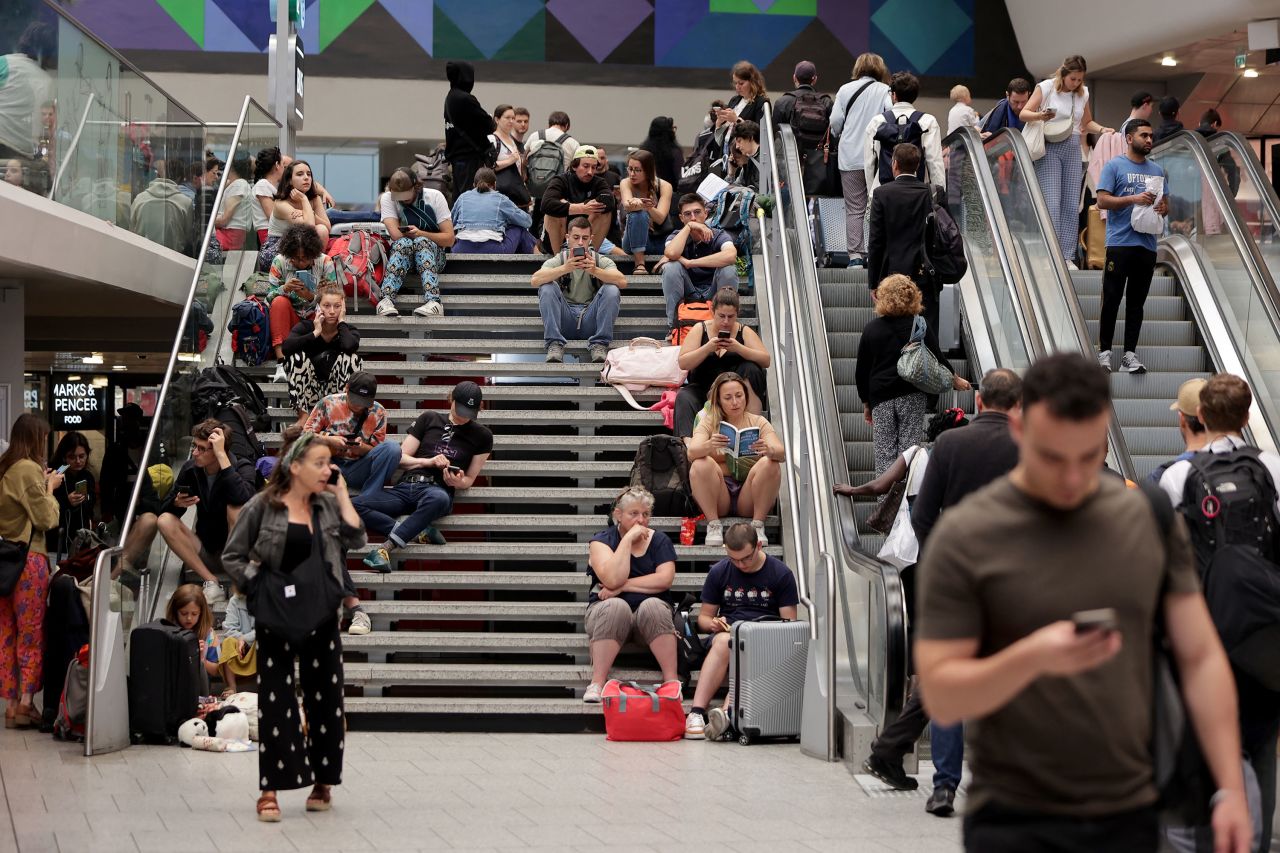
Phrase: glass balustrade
pixel 1254 197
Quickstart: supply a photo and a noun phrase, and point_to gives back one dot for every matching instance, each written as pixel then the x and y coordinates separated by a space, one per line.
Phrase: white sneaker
pixel 280 375
pixel 429 309
pixel 760 534
pixel 387 308
pixel 1129 363
pixel 1104 360
pixel 717 724
pixel 592 696
pixel 715 534
pixel 694 726
pixel 360 624
pixel 214 595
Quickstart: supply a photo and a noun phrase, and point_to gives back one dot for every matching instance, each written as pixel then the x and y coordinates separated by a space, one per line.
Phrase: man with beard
pixel 1131 255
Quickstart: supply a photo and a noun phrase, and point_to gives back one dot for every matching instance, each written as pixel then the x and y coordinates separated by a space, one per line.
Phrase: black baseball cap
pixel 466 398
pixel 361 389
pixel 131 410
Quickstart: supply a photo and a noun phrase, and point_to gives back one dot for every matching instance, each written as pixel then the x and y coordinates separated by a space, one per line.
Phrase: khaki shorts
pixel 613 619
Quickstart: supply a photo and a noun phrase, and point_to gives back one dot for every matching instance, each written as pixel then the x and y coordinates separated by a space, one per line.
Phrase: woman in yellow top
pixel 726 483
pixel 27 509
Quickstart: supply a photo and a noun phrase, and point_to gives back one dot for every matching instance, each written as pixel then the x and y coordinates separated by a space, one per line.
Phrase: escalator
pixel 1251 191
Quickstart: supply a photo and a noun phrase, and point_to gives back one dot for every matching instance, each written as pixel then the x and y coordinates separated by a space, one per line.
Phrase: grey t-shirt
pixel 581 287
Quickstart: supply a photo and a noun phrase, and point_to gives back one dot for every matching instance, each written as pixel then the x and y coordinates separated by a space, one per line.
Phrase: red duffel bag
pixel 632 712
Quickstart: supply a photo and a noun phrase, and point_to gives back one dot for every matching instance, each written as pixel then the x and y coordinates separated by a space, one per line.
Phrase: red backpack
pixel 632 712
pixel 360 259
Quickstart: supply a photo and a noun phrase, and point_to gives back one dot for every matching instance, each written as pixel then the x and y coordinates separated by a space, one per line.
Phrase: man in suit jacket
pixel 961 462
pixel 899 212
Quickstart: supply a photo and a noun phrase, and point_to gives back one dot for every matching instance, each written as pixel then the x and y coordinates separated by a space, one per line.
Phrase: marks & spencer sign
pixel 78 405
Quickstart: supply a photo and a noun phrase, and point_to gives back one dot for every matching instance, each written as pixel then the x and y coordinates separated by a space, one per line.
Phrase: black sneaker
pixel 942 802
pixel 892 775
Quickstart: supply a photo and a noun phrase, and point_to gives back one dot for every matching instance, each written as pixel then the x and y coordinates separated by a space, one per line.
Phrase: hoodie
pixel 1168 127
pixel 467 125
pixel 162 213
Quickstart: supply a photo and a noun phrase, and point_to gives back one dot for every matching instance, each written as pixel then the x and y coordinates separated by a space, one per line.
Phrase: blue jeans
pixel 424 503
pixel 638 238
pixel 947 745
pixel 372 471
pixel 678 286
pixel 593 320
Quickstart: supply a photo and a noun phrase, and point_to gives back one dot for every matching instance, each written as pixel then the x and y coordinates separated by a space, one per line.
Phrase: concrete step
pixel 534 551
pixel 469 642
pixel 476 707
pixel 506 444
pixel 499 302
pixel 466 346
pixel 382 612
pixel 568 581
pixel 489 417
pixel 496 469
pixel 625 326
pixel 569 676
pixel 585 393
pixel 496 522
pixel 568 370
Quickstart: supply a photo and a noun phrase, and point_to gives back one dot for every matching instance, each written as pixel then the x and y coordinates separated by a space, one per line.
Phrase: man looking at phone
pixel 579 289
pixel 1060 714
pixel 354 425
pixel 443 452
pixel 747 585
pixel 698 260
pixel 217 485
pixel 579 191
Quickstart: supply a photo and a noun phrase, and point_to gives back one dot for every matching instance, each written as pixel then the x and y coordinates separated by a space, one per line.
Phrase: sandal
pixel 319 800
pixel 640 269
pixel 268 808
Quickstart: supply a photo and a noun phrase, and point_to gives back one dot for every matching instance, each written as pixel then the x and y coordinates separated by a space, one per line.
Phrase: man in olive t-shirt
pixel 579 291
pixel 1060 719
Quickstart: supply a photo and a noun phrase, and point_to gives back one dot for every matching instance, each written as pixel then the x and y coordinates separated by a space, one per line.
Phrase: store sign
pixel 78 405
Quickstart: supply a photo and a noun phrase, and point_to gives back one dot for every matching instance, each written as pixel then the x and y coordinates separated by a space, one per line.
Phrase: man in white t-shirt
pixel 541 169
pixel 421 228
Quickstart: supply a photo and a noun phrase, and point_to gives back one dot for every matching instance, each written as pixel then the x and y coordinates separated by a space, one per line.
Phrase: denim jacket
pixel 488 211
pixel 259 535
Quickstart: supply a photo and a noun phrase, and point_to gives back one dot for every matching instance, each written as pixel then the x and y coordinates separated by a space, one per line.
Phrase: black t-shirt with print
pixel 437 435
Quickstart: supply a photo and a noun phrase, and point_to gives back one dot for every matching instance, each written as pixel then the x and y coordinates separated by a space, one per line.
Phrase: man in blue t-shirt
pixel 1131 255
pixel 747 586
pixel 698 260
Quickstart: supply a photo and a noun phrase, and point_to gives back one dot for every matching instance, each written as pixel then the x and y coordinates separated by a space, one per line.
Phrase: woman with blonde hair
pixel 892 406
pixel 742 479
pixel 858 101
pixel 1062 104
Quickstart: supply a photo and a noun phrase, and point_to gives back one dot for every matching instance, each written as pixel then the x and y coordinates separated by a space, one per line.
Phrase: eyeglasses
pixel 696 213
pixel 634 169
pixel 638 492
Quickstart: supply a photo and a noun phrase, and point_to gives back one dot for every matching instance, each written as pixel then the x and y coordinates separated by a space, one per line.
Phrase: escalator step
pixel 1144 413
pixel 1159 332
pixel 844 295
pixel 1089 283
pixel 846 319
pixel 847 276
pixel 1150 386
pixel 1156 308
pixel 1190 360
pixel 844 345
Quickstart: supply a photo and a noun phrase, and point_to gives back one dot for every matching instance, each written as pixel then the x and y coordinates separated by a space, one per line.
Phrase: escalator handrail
pixel 1267 197
pixel 1022 161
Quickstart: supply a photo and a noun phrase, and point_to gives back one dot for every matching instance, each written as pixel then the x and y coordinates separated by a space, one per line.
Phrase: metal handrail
pixel 66 157
pixel 1082 341
pixel 99 606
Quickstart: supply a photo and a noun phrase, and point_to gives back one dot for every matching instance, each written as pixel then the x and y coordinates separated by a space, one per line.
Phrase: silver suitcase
pixel 949 318
pixel 767 665
pixel 827 228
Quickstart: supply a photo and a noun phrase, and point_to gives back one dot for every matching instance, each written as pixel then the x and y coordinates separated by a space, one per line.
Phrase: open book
pixel 740 440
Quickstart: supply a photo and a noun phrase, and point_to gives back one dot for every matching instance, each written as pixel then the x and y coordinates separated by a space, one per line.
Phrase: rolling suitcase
pixel 949 319
pixel 827 228
pixel 766 678
pixel 166 678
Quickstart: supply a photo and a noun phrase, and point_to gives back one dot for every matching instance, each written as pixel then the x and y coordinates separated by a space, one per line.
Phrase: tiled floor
pixel 460 791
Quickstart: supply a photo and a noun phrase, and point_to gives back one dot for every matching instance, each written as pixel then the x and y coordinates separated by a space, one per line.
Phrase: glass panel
pixel 1254 197
pixel 76 115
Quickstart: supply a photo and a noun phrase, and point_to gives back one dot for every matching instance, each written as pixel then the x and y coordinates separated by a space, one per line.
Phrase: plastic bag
pixel 1144 219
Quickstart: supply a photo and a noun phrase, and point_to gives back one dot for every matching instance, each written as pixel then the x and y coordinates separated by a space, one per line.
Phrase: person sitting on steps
pixel 421 228
pixel 720 345
pixel 698 259
pixel 579 289
pixel 354 427
pixel 578 192
pixel 321 355
pixel 298 269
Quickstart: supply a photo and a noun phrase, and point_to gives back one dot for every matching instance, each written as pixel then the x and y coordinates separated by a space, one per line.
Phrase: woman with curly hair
pixel 300 266
pixel 892 406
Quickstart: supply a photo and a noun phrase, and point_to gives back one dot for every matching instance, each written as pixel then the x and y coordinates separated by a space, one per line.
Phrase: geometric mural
pixel 930 37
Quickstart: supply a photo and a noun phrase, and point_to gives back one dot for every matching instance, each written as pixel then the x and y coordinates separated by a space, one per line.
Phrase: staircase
pixel 1170 347
pixel 488 628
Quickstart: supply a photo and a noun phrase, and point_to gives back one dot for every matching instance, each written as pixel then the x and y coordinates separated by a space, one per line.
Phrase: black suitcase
pixel 166 677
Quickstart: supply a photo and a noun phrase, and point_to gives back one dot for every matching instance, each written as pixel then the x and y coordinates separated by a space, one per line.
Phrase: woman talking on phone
pixel 646 203
pixel 298 530
pixel 631 567
pixel 716 346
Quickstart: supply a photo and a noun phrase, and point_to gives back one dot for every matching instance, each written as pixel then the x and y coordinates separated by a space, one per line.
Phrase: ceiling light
pixel 119 367
pixel 189 356
pixel 99 382
pixel 402 142
pixel 91 359
pixel 1251 72
pixel 1169 62
pixel 73 378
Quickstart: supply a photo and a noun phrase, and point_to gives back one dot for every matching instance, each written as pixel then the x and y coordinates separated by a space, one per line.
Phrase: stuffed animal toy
pixel 232 733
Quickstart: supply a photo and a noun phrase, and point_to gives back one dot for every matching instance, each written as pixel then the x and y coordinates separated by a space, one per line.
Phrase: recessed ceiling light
pixel 402 142
pixel 119 367
pixel 1169 62
pixel 91 359
pixel 1251 72
pixel 100 382
pixel 73 378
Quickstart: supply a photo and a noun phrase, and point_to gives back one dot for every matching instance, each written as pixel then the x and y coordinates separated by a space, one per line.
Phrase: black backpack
pixel 434 172
pixel 944 247
pixel 896 130
pixel 1229 502
pixel 690 653
pixel 662 468
pixel 216 388
pixel 810 117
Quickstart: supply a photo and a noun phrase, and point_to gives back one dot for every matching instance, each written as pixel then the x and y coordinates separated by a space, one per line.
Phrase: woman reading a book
pixel 735 460
pixel 715 347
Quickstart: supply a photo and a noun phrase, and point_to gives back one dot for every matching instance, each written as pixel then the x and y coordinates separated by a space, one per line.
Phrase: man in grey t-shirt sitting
pixel 581 290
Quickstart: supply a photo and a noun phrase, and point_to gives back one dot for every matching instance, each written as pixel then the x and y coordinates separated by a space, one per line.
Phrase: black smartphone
pixel 580 252
pixel 183 489
pixel 723 334
pixel 1102 619
pixel 333 477
pixel 455 470
pixel 83 487
pixel 353 439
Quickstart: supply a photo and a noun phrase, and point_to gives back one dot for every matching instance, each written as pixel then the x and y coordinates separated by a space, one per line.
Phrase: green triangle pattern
pixel 337 15
pixel 529 44
pixel 450 41
pixel 188 14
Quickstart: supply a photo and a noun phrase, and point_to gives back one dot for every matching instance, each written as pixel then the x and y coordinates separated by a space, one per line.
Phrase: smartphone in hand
pixel 1102 619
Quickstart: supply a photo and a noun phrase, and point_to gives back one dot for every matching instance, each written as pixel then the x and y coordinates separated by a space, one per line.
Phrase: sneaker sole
pixel 1139 369
pixel 689 735
pixel 713 731
pixel 872 772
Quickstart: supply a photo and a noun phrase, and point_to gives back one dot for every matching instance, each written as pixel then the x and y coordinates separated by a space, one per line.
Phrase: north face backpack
pixel 360 260
pixel 1229 505
pixel 661 467
pixel 433 171
pixel 250 331
pixel 809 118
pixel 544 164
pixel 896 130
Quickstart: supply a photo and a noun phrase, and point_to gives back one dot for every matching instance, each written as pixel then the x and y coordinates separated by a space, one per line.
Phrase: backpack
pixel 896 130
pixel 695 169
pixel 73 705
pixel 661 467
pixel 250 331
pixel 433 171
pixel 944 247
pixel 544 164
pixel 810 118
pixel 216 388
pixel 198 327
pixel 731 209
pixel 1229 505
pixel 690 653
pixel 360 260
pixel 688 315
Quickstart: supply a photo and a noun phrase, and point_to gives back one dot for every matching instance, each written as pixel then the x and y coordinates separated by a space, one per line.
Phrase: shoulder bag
pixel 1059 128
pixel 919 366
pixel 293 604
pixel 13 559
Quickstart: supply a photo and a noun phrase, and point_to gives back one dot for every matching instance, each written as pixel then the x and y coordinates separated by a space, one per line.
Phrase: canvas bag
pixel 901 548
pixel 636 713
pixel 641 364
pixel 919 366
pixel 1033 134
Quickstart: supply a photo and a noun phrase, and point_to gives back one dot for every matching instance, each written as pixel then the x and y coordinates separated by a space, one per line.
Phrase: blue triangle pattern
pixel 721 39
pixel 221 34
pixel 251 17
pixel 417 18
pixel 489 26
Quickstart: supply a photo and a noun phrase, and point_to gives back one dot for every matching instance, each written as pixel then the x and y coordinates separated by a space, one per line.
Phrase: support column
pixel 12 353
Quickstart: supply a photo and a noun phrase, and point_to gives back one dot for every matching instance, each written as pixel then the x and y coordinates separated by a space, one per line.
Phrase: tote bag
pixel 1033 133
pixel 293 604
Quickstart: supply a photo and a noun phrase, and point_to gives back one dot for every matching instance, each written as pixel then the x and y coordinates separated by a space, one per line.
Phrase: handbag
pixel 1033 133
pixel 641 364
pixel 821 169
pixel 919 366
pixel 636 713
pixel 13 559
pixel 293 604
pixel 1060 128
pixel 881 521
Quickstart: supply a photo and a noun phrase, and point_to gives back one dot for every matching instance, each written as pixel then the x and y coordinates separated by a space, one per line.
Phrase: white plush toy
pixel 248 703
pixel 233 731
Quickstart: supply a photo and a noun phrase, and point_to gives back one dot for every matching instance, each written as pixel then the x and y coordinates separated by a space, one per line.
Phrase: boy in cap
pixel 442 452
pixel 579 191
pixel 354 425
